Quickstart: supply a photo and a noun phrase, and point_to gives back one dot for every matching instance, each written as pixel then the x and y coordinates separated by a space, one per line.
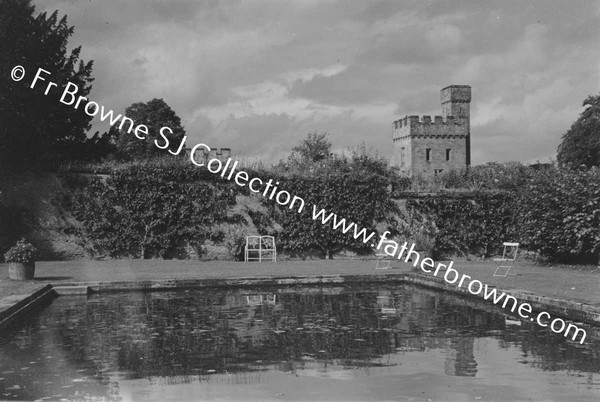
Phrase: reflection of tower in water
pixel 460 359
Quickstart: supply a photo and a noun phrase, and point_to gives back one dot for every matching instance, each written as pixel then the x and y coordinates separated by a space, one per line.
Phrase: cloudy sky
pixel 257 76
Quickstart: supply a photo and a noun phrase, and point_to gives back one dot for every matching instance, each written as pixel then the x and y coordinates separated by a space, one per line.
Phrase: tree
pixel 360 200
pixel 36 129
pixel 151 210
pixel 580 145
pixel 102 146
pixel 354 186
pixel 315 148
pixel 559 214
pixel 155 114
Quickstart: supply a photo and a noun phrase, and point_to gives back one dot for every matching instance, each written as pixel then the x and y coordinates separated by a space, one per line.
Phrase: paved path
pixel 580 284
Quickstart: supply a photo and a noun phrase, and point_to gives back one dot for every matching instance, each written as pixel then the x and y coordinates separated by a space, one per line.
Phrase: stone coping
pixel 15 306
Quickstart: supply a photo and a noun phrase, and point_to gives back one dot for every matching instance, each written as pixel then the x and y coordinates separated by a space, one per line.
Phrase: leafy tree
pixel 580 145
pixel 99 147
pixel 357 200
pixel 477 225
pixel 314 148
pixel 559 214
pixel 12 227
pixel 354 187
pixel 36 129
pixel 155 114
pixel 149 210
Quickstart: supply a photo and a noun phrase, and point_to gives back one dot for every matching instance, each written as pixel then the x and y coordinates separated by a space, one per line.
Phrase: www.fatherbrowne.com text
pixel 269 190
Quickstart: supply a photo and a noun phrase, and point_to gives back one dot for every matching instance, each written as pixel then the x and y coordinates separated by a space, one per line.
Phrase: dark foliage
pixel 558 214
pixel 477 225
pixel 359 200
pixel 37 129
pixel 155 114
pixel 12 227
pixel 355 187
pixel 580 146
pixel 152 210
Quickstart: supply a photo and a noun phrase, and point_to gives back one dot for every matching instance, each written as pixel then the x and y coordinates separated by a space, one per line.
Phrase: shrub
pixel 235 242
pixel 559 214
pixel 358 197
pixel 477 225
pixel 262 222
pixel 22 252
pixel 12 226
pixel 150 210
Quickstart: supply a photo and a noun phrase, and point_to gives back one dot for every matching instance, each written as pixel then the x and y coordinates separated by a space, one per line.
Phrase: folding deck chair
pixel 386 304
pixel 509 255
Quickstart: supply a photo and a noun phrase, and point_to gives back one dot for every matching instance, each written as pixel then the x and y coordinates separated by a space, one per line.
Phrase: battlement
pixel 456 94
pixel 408 121
pixel 203 156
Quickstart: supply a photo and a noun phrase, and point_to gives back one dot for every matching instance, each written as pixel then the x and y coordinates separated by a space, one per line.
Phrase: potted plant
pixel 21 261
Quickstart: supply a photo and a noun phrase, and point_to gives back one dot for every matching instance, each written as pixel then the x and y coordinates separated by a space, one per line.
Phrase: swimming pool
pixel 397 342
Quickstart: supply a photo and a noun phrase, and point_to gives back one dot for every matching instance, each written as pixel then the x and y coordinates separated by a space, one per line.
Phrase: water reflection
pixel 77 349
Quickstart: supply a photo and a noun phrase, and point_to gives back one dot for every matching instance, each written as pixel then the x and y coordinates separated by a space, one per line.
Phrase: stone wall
pixel 203 156
pixel 437 161
pixel 416 135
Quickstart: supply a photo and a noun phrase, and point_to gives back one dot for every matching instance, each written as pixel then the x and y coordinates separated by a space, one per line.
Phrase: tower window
pixel 428 154
pixel 402 155
pixel 448 154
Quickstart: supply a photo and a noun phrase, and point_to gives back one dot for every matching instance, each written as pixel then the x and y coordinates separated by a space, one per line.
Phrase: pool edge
pixel 574 311
pixel 18 305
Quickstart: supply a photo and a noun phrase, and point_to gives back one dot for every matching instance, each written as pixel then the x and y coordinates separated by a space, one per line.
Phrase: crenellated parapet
pixel 440 126
pixel 203 156
pixel 437 120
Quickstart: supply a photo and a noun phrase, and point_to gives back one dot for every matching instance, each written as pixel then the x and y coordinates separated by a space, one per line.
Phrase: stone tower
pixel 423 146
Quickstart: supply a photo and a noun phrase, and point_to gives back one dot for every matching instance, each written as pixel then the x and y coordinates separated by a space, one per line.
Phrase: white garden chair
pixel 259 248
pixel 509 256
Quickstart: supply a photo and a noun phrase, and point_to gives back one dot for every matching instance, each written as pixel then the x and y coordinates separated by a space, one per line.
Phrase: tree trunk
pixel 143 244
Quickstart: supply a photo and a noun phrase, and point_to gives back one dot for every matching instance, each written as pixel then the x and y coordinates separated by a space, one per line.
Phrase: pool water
pixel 333 343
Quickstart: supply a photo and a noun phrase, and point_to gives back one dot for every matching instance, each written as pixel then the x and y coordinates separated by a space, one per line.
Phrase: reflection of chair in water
pixel 509 255
pixel 254 300
pixel 386 304
pixel 509 321
pixel 259 248
pixel 384 260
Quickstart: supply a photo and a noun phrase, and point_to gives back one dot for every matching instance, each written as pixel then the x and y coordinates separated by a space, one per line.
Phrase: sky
pixel 257 76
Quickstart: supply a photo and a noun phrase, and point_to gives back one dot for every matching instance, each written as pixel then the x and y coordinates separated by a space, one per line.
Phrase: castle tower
pixel 423 146
pixel 456 101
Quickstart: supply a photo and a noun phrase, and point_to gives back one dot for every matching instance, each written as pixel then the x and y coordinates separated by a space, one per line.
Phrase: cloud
pixel 257 76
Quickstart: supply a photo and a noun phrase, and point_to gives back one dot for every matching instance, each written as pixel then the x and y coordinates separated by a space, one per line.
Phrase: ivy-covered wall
pixel 172 210
pixel 359 198
pixel 554 212
pixel 151 210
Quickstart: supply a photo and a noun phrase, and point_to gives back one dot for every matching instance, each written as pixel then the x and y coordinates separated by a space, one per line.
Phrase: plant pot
pixel 21 271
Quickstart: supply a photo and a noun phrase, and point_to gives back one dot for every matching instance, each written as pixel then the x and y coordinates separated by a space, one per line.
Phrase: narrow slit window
pixel 428 154
pixel 448 154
